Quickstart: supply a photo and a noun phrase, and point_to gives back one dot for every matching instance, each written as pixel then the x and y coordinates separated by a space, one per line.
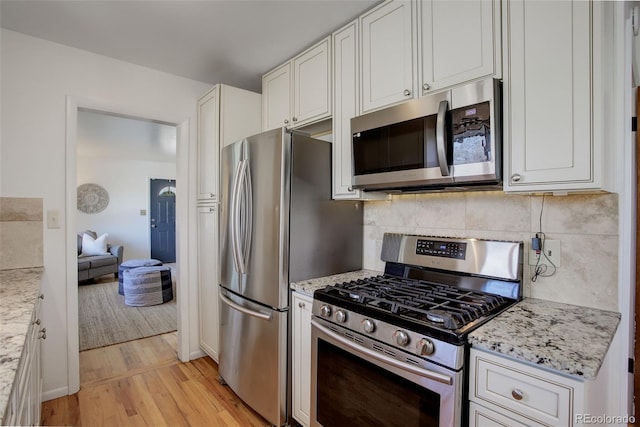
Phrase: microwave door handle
pixel 441 138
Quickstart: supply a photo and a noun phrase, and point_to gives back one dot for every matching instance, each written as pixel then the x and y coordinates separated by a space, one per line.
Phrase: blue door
pixel 162 219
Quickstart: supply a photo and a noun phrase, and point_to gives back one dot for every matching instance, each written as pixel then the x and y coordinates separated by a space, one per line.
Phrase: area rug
pixel 104 319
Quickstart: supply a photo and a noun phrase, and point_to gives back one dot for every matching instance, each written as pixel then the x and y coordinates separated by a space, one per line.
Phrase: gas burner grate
pixel 420 301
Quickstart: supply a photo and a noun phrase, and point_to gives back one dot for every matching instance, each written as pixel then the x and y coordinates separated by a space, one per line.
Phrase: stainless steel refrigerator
pixel 278 225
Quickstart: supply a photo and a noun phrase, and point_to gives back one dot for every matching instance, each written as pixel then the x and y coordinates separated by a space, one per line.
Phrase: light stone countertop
pixel 309 286
pixel 19 291
pixel 566 338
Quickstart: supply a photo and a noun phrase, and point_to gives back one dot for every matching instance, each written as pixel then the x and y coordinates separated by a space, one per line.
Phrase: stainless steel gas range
pixel 390 350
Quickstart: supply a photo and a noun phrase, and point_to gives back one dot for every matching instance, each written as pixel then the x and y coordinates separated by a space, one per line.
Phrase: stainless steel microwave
pixel 444 141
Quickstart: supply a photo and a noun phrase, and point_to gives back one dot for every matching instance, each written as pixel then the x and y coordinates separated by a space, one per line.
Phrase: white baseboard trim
pixel 196 355
pixel 54 394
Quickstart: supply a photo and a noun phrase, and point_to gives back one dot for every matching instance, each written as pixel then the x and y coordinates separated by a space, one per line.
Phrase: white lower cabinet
pixel 25 401
pixel 301 344
pixel 506 392
pixel 208 279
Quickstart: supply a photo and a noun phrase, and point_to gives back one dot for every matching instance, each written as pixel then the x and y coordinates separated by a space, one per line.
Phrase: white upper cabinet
pixel 345 75
pixel 299 91
pixel 459 41
pixel 276 97
pixel 551 96
pixel 225 114
pixel 388 54
pixel 312 84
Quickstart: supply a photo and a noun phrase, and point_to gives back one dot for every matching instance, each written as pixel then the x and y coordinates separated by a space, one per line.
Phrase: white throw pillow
pixel 91 246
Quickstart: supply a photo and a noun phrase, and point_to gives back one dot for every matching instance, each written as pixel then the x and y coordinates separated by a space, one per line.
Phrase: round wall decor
pixel 92 198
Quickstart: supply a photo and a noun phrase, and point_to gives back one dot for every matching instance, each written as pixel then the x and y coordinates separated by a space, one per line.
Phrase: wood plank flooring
pixel 142 383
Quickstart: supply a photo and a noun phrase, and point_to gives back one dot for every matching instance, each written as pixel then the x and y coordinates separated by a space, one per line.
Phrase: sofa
pixel 99 259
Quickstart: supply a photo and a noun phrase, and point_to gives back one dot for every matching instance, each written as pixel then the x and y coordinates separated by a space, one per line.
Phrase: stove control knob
pixel 368 326
pixel 341 316
pixel 425 347
pixel 325 311
pixel 402 338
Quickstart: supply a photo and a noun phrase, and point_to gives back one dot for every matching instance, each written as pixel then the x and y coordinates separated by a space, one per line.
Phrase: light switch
pixel 143 212
pixel 53 219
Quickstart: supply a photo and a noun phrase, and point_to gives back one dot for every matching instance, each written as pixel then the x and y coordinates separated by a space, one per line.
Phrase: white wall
pixel 127 182
pixel 36 76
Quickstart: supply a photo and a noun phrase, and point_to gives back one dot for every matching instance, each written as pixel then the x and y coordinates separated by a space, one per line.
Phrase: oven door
pixel 355 382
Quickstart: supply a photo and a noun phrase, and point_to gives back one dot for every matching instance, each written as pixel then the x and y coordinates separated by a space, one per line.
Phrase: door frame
pixel 182 222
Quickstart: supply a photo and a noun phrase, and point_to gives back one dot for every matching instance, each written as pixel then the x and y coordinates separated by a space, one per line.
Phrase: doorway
pixel 162 219
pixel 182 141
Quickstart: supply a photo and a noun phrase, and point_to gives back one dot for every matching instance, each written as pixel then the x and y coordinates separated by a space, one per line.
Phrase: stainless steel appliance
pixel 278 224
pixel 444 140
pixel 390 350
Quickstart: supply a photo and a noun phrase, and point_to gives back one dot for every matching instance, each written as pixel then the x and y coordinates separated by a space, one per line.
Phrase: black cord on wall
pixel 537 243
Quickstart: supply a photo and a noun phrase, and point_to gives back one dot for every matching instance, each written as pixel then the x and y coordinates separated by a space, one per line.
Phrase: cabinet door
pixel 388 54
pixel 312 84
pixel 276 97
pixel 345 66
pixel 208 145
pixel 208 279
pixel 548 96
pixel 301 344
pixel 457 41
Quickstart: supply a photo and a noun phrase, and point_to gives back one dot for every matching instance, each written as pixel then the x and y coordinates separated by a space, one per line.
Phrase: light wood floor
pixel 142 383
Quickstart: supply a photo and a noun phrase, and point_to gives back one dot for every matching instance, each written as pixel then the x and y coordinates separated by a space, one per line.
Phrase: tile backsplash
pixel 21 233
pixel 585 225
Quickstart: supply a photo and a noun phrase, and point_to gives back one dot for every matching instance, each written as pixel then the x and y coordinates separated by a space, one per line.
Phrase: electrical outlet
pixel 551 250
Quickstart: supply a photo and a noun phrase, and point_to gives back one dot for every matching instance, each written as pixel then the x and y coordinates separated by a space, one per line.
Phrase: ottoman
pixel 147 286
pixel 134 263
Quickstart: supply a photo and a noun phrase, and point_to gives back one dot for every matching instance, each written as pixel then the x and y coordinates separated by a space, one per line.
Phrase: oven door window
pixel 354 392
pixel 402 146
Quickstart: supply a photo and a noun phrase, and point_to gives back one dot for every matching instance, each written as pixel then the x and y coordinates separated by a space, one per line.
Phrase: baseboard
pixel 196 355
pixel 54 394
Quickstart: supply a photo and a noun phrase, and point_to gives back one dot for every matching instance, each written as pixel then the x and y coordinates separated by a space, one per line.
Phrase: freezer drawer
pixel 254 360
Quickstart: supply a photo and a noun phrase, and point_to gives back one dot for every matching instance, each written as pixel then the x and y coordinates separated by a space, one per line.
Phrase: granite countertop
pixel 567 338
pixel 309 286
pixel 19 291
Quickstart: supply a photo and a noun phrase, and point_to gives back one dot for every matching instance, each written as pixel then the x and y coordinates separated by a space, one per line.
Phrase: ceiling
pixel 212 41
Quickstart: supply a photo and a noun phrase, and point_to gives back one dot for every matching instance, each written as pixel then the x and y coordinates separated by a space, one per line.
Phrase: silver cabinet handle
pixel 211 195
pixel 242 309
pixel 37 322
pixel 517 394
pixel 350 189
pixel 286 121
pixel 407 92
pixel 43 334
pixel 301 305
pixel 516 177
pixel 295 119
pixel 212 210
pixel 426 86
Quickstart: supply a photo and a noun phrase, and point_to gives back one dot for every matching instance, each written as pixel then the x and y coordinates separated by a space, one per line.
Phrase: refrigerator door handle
pixel 240 218
pixel 242 309
pixel 248 217
pixel 234 216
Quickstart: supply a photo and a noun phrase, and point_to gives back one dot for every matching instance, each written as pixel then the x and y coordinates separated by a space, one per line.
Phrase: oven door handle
pixel 435 376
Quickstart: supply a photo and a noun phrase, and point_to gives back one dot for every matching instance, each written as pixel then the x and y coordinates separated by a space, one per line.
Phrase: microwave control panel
pixel 456 250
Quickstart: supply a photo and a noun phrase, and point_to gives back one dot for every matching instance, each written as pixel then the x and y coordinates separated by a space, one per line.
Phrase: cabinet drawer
pixel 512 387
pixel 479 416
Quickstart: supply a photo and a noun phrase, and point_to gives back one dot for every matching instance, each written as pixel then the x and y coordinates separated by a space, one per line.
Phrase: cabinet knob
pixel 286 121
pixel 407 92
pixel 516 177
pixel 41 296
pixel 517 394
pixel 301 305
pixel 295 119
pixel 37 322
pixel 426 87
pixel 350 189
pixel 212 210
pixel 211 195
